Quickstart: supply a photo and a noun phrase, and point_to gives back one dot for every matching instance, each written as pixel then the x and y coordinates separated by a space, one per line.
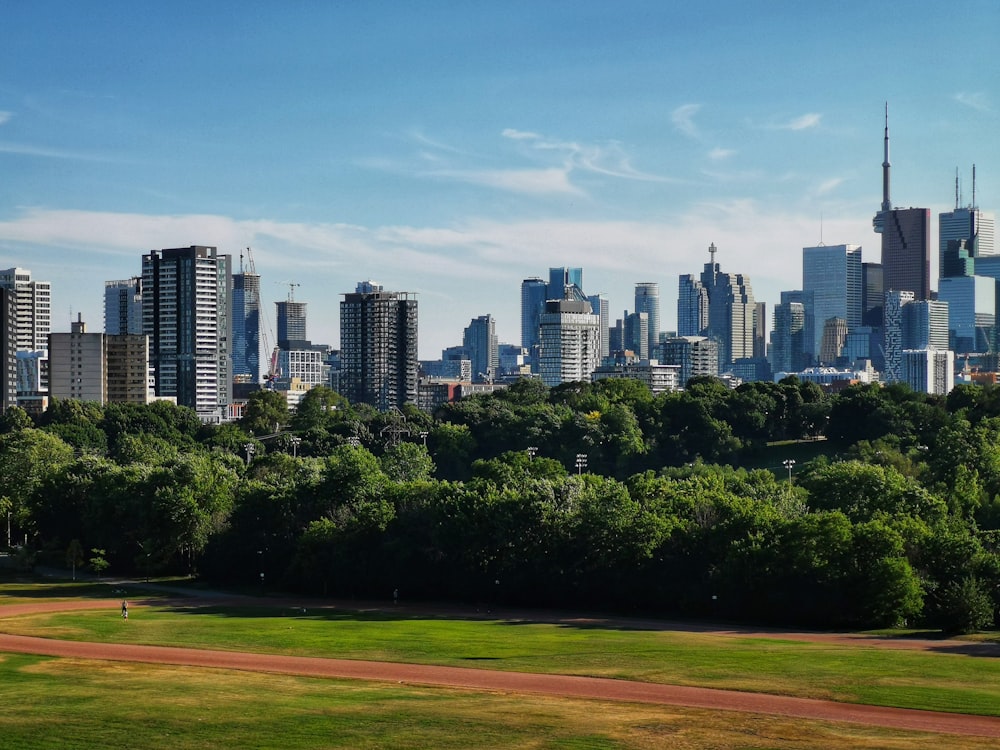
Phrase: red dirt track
pixel 489 680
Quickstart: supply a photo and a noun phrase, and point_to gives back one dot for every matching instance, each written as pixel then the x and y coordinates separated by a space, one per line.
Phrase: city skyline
pixel 452 152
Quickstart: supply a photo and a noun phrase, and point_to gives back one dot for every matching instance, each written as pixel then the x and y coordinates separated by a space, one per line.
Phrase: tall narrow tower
pixel 906 239
pixel 879 221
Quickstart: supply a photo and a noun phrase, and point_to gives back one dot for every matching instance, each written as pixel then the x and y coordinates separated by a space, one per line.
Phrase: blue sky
pixel 453 149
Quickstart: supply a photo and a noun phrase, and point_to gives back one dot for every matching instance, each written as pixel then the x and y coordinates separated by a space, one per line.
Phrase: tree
pixel 266 411
pixel 407 462
pixel 98 563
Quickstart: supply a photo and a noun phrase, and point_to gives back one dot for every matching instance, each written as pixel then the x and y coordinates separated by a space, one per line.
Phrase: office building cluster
pixel 191 328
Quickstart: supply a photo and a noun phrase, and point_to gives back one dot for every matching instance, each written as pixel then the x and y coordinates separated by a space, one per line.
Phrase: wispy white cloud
pixel 5 116
pixel 683 119
pixel 803 122
pixel 975 99
pixel 828 186
pixel 529 181
pixel 22 149
pixel 609 159
pixel 519 135
pixel 718 154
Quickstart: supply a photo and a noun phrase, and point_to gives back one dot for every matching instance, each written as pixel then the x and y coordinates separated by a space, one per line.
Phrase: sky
pixel 453 149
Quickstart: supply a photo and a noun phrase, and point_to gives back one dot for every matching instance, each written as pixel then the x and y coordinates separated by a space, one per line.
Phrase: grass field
pixel 60 703
pixel 910 679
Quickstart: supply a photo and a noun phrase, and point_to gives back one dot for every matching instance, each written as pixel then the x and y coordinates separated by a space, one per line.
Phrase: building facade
pixel 246 327
pixel 33 308
pixel 647 300
pixel 378 347
pixel 480 343
pixel 186 311
pixel 123 306
pixel 569 342
pixel 832 273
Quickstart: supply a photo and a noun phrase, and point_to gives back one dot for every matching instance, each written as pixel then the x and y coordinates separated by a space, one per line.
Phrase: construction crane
pixel 291 288
pixel 265 347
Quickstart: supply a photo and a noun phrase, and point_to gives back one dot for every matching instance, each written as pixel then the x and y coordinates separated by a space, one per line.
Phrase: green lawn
pixel 912 679
pixel 51 704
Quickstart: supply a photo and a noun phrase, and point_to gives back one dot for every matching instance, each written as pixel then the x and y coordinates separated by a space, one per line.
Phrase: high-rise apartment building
pixel 33 302
pixel 893 333
pixel 696 356
pixel 100 367
pixel 906 239
pixel 833 274
pixel 186 311
pixel 635 334
pixel 929 370
pixel 123 306
pixel 569 342
pixel 246 327
pixel 647 300
pixel 480 343
pixel 378 347
pixel 8 348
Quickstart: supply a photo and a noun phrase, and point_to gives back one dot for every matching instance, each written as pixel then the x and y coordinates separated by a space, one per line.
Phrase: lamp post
pixel 423 436
pixel 789 463
pixel 532 451
pixel 581 462
pixel 296 442
pixel 250 448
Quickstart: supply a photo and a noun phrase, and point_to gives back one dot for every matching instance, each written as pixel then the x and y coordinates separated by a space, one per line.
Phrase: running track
pixel 490 680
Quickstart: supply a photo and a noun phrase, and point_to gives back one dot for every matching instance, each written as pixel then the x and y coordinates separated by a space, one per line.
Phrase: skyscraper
pixel 872 294
pixel 906 239
pixel 533 295
pixel 123 306
pixel 378 347
pixel 562 277
pixel 480 343
pixel 8 348
pixel 33 302
pixel 246 326
pixel 967 223
pixel 600 306
pixel 692 307
pixel 787 353
pixel 570 344
pixel 730 311
pixel 647 300
pixel 291 322
pixel 186 315
pixel 833 274
pixel 893 332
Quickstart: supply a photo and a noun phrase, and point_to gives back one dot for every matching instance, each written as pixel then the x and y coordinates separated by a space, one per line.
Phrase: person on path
pixel 395 596
pixel 124 609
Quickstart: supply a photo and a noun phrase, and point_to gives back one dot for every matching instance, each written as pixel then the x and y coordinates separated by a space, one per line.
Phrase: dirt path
pixel 478 679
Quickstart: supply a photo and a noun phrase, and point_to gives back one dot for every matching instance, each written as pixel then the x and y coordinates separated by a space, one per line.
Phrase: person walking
pixel 124 609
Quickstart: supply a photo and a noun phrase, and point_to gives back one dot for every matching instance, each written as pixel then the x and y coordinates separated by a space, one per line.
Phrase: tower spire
pixel 878 222
pixel 886 203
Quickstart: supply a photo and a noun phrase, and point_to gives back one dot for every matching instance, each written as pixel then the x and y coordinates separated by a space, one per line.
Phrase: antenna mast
pixel 974 186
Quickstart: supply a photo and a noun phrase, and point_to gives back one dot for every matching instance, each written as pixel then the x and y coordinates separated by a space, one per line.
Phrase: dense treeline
pixel 585 495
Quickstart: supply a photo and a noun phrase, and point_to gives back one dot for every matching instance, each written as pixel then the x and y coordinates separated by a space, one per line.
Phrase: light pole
pixel 532 452
pixel 789 463
pixel 250 448
pixel 581 462
pixel 296 442
pixel 423 436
